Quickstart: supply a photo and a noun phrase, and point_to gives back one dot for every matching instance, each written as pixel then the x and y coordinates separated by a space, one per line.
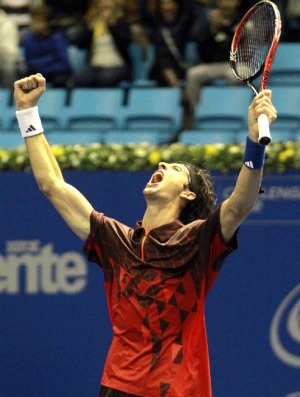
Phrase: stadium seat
pixel 135 136
pixel 222 109
pixel 7 108
pixel 10 139
pixel 286 66
pixel 156 109
pixel 77 57
pixel 191 54
pixel 142 61
pixel 287 126
pixel 286 100
pixel 52 106
pixel 94 109
pixel 202 137
pixel 71 137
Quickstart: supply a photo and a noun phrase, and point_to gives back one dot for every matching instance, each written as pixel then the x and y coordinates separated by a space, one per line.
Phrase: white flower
pixel 112 159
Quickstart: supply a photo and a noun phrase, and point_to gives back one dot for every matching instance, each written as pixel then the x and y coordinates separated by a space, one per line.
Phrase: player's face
pixel 168 180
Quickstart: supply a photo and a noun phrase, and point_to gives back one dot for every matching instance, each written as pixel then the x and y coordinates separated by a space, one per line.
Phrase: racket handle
pixel 264 135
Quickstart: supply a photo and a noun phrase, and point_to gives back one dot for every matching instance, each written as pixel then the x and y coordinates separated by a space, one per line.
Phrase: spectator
pixel 45 49
pixel 292 21
pixel 202 8
pixel 19 12
pixel 68 15
pixel 170 26
pixel 133 14
pixel 214 48
pixel 107 39
pixel 9 51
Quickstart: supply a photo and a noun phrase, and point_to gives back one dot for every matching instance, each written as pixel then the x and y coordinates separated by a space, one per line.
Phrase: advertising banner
pixel 54 325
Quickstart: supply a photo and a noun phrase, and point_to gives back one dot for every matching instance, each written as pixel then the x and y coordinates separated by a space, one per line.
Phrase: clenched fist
pixel 28 90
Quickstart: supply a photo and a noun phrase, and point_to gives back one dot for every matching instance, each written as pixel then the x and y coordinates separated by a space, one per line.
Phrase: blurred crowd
pixel 36 36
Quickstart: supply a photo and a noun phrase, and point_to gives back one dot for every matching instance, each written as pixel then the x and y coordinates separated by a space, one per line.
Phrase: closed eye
pixel 176 168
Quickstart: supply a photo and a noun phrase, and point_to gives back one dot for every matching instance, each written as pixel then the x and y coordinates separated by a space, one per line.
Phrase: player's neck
pixel 156 216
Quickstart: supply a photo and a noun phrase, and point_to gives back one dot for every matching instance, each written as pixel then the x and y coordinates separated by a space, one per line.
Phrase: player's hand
pixel 28 90
pixel 261 104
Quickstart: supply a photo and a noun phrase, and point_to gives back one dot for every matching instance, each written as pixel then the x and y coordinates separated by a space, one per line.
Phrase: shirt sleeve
pixel 216 249
pixel 91 247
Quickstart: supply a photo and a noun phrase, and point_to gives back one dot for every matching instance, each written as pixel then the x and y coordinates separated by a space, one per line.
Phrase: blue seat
pixel 8 110
pixel 191 53
pixel 156 109
pixel 77 57
pixel 142 61
pixel 135 136
pixel 10 139
pixel 286 65
pixel 287 126
pixel 73 137
pixel 94 109
pixel 223 108
pixel 286 100
pixel 202 137
pixel 52 107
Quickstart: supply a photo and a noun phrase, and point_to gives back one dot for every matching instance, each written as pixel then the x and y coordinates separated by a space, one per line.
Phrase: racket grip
pixel 264 135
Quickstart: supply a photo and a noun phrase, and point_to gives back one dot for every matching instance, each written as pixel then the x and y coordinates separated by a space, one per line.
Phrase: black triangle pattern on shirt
pixel 156 349
pixel 163 325
pixel 164 387
pixel 180 289
pixel 173 301
pixel 145 322
pixel 150 294
pixel 160 306
pixel 178 339
pixel 183 315
pixel 179 357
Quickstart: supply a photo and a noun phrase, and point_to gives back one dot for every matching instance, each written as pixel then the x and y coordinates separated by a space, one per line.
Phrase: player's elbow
pixel 49 186
pixel 238 208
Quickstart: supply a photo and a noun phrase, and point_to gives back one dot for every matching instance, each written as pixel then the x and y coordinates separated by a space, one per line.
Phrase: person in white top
pixel 10 56
pixel 107 39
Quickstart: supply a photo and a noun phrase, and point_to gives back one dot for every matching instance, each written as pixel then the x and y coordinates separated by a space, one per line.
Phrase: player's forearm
pixel 246 191
pixel 44 165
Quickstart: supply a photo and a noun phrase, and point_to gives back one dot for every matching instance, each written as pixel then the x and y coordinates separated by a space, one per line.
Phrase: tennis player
pixel 157 274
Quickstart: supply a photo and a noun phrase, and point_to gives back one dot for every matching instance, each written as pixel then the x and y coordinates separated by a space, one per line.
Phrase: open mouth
pixel 156 178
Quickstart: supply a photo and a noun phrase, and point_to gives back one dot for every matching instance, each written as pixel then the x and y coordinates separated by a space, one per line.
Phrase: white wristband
pixel 29 122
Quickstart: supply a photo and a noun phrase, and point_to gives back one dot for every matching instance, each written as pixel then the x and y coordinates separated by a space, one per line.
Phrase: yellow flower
pixel 286 154
pixel 154 157
pixel 58 151
pixel 4 157
pixel 210 151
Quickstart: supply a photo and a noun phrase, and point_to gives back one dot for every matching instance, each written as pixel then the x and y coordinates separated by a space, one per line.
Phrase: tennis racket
pixel 252 52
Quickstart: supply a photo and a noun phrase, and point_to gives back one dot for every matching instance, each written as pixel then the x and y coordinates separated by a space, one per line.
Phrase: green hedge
pixel 224 158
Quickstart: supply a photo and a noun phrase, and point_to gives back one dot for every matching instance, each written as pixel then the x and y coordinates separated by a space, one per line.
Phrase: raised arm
pixel 236 208
pixel 68 201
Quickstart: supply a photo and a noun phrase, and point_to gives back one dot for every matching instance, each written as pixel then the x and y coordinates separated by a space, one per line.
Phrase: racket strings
pixel 255 41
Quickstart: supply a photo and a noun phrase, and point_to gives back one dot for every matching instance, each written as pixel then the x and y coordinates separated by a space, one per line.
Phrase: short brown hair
pixel 202 184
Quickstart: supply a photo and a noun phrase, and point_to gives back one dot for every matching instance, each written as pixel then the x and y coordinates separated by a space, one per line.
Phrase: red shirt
pixel 156 283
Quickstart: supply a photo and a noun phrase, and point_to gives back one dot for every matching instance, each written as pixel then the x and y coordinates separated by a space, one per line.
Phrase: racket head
pixel 255 43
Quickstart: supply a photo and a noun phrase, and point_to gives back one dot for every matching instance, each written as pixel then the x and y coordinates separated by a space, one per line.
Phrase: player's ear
pixel 188 195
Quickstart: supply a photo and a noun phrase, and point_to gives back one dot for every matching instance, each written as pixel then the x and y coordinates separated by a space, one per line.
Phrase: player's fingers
pixel 39 79
pixel 22 83
pixel 29 83
pixel 268 109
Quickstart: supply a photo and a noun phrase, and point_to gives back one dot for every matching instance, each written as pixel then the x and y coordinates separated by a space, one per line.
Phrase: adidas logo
pixel 30 129
pixel 249 164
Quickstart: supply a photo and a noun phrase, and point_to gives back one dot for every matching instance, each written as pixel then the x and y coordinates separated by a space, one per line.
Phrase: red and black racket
pixel 253 49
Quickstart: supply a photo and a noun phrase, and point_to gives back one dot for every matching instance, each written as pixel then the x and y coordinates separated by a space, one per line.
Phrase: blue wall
pixel 54 328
